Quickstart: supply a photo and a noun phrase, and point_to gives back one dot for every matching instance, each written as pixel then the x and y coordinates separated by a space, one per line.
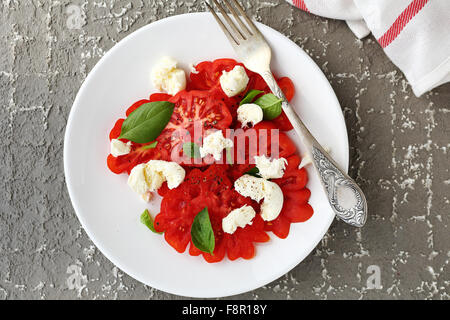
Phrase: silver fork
pixel 346 198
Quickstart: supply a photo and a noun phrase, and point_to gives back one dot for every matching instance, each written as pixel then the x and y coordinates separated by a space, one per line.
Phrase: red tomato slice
pixel 287 86
pixel 296 196
pixel 137 155
pixel 116 130
pixel 163 190
pixel 280 226
pixel 300 196
pixel 202 79
pixel 293 180
pixel 293 163
pixel 195 107
pixel 283 123
pixel 296 207
pixel 208 78
pixel 198 106
pixel 192 109
pixel 297 213
pixel 287 147
pixel 209 73
pixel 153 98
pixel 268 139
pixel 160 97
pixel 136 105
pixel 212 189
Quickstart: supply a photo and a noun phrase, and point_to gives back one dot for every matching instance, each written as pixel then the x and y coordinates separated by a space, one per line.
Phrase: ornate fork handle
pixel 346 198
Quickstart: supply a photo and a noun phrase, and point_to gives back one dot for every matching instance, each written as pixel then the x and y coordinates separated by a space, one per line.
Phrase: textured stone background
pixel 399 154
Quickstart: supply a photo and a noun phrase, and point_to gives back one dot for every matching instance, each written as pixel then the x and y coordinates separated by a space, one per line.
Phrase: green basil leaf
pixel 147 220
pixel 192 150
pixel 250 96
pixel 150 146
pixel 147 122
pixel 254 172
pixel 202 234
pixel 271 106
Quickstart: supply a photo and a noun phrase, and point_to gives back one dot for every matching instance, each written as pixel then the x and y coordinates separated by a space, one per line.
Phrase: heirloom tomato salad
pixel 213 145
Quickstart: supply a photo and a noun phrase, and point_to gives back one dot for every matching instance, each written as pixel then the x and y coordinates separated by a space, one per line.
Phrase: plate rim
pixel 106 252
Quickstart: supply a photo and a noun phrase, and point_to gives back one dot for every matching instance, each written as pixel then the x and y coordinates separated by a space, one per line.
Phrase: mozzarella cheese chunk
pixel 119 148
pixel 238 218
pixel 251 187
pixel 273 201
pixel 167 77
pixel 270 169
pixel 176 82
pixel 214 144
pixel 258 189
pixel 307 160
pixel 137 180
pixel 249 113
pixel 234 82
pixel 149 177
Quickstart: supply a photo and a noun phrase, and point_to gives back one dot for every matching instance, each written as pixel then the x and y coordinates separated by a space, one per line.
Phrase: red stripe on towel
pixel 414 7
pixel 300 4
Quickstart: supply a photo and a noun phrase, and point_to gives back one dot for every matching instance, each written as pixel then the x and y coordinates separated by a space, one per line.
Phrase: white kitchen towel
pixel 415 34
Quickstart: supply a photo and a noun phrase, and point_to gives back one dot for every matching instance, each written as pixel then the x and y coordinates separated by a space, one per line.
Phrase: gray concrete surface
pixel 400 149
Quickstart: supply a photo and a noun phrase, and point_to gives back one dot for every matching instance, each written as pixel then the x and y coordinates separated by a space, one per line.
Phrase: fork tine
pixel 249 21
pixel 222 25
pixel 230 22
pixel 237 18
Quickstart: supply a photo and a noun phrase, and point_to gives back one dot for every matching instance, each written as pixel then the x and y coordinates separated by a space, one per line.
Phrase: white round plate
pixel 109 211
